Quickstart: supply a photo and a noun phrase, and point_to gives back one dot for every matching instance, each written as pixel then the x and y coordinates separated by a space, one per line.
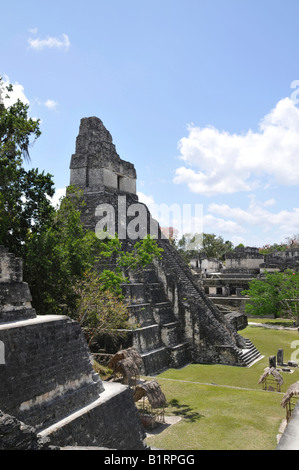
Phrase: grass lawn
pixel 224 407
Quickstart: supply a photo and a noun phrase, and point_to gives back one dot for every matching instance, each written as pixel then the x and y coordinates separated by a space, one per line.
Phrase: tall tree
pixel 277 294
pixel 293 241
pixel 24 195
pixel 190 245
pixel 58 252
pixel 58 258
pixel 216 247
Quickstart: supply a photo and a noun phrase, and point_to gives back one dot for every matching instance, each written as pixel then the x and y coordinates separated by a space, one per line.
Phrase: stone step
pixel 180 355
pixel 155 361
pixel 163 313
pixel 147 338
pixel 171 333
pixel 141 314
pixel 250 354
pixel 88 425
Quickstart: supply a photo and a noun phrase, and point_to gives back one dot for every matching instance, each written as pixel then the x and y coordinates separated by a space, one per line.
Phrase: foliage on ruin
pixel 277 294
pixel 59 257
pixel 191 244
pixel 290 242
pixel 56 249
pixel 98 310
pixel 24 195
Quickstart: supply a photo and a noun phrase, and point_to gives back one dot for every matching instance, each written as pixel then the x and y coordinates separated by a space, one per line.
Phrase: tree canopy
pixel 290 242
pixel 68 268
pixel 277 294
pixel 24 195
pixel 190 245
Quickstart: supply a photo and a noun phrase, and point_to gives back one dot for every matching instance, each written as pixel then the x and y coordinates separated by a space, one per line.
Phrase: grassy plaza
pixel 224 407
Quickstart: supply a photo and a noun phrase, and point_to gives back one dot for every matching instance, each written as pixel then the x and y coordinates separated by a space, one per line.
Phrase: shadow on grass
pixel 184 411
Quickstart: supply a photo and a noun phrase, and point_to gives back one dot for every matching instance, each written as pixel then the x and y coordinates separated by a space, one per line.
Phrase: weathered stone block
pixel 47 372
pixel 15 297
pixel 15 435
pixel 280 357
pixel 112 422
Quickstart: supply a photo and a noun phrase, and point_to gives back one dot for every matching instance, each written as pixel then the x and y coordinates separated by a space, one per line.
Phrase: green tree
pixel 99 311
pixel 56 249
pixel 190 245
pixel 58 258
pixel 216 247
pixel 24 195
pixel 267 249
pixel 100 305
pixel 277 294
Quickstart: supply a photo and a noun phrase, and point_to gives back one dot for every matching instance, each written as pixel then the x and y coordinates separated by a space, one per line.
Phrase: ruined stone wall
pixel 15 297
pixel 49 391
pixel 212 338
pixel 15 435
pixel 281 260
pixel 243 258
pixel 202 325
pixel 111 422
pixel 96 164
pixel 47 371
pixel 206 265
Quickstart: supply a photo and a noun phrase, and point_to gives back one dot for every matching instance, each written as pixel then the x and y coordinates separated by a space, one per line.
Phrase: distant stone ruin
pixel 281 260
pixel 179 324
pixel 224 282
pixel 15 297
pixel 49 392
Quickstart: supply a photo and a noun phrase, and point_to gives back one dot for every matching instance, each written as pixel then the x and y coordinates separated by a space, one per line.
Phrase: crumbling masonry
pixel 49 393
pixel 178 323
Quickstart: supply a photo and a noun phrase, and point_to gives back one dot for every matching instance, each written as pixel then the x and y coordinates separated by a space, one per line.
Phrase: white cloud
pixel 51 104
pixel 147 200
pixel 185 218
pixel 270 202
pixel 283 223
pixel 33 30
pixel 212 224
pixel 254 225
pixel 17 93
pixel 217 162
pixel 59 193
pixel 50 42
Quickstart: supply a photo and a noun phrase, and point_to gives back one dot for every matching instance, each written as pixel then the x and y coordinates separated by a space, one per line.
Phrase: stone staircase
pixel 158 336
pixel 164 329
pixel 185 276
pixel 244 351
pixel 250 354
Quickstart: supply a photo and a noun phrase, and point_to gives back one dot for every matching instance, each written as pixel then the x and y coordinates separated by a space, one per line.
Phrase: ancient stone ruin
pixel 50 395
pixel 224 281
pixel 281 260
pixel 179 324
pixel 49 392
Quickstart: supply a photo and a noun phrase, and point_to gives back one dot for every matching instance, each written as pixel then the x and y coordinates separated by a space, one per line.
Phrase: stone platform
pixel 49 390
pixel 110 422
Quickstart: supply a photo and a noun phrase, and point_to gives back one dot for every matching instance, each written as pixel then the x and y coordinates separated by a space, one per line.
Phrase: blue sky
pixel 200 95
